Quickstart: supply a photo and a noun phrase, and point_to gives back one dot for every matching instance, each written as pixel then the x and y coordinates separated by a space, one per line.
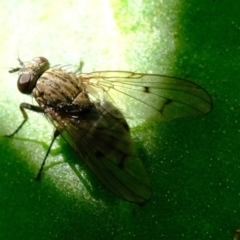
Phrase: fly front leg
pixel 22 107
pixel 55 135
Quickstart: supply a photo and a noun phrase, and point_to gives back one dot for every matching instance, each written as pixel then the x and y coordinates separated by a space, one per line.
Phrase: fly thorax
pixel 56 88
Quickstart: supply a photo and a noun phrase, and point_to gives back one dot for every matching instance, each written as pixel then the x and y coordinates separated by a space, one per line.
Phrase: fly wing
pixel 104 143
pixel 142 96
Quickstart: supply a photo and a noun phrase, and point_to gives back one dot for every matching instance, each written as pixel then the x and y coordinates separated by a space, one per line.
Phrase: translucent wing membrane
pixel 105 145
pixel 144 96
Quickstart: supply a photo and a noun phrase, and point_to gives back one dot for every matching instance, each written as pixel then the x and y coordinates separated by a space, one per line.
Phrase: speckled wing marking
pixel 149 95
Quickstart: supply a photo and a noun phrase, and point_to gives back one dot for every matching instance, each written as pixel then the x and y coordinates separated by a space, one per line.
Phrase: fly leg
pixel 55 135
pixel 37 109
pixel 22 107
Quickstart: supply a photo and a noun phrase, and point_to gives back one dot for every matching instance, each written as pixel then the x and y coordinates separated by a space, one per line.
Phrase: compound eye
pixel 43 63
pixel 43 59
pixel 24 83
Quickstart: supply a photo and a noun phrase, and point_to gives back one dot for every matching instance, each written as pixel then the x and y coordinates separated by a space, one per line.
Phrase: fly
pixel 85 111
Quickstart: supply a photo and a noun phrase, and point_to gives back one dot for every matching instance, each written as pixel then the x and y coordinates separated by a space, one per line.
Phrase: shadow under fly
pixel 85 110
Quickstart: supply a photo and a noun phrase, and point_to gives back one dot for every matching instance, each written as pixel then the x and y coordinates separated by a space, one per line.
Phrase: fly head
pixel 30 72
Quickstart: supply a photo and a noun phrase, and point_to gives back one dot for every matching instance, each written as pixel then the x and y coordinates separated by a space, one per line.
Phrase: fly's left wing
pixel 104 143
